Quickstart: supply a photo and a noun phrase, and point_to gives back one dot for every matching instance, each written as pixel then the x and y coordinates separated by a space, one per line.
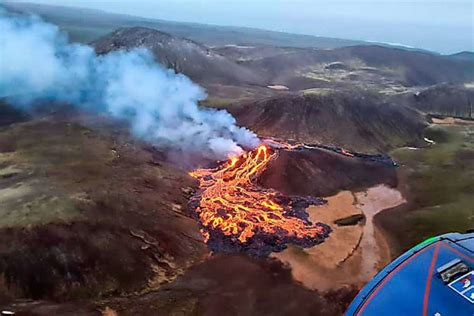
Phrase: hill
pixel 185 56
pixel 463 55
pixel 375 65
pixel 357 121
pixel 86 213
pixel 233 74
pixel 444 100
pixel 322 172
pixel 91 216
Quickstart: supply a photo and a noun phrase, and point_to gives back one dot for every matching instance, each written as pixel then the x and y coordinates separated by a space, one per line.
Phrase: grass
pixel 219 102
pixel 452 217
pixel 33 157
pixel 439 186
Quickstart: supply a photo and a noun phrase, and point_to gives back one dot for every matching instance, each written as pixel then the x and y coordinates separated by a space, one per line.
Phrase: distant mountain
pixel 444 100
pixel 463 56
pixel 359 97
pixel 303 68
pixel 296 68
pixel 185 56
pixel 420 68
pixel 86 25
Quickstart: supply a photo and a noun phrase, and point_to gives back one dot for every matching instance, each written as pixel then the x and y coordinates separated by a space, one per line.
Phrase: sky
pixel 443 26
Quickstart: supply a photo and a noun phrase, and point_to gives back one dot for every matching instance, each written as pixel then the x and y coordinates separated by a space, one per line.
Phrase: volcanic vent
pixel 237 215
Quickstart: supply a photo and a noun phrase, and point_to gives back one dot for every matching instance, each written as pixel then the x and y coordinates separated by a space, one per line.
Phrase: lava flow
pixel 236 213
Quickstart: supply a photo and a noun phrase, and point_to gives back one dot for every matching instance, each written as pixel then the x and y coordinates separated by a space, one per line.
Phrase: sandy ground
pixel 451 121
pixel 352 255
pixel 371 202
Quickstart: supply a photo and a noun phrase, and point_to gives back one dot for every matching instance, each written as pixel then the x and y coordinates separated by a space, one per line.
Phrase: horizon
pixel 449 32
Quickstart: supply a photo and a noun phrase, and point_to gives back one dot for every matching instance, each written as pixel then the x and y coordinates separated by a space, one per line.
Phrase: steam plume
pixel 38 63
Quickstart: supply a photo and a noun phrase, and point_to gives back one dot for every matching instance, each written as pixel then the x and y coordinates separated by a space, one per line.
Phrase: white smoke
pixel 37 63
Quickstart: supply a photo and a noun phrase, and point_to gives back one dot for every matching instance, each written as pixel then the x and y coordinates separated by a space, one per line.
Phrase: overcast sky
pixel 444 26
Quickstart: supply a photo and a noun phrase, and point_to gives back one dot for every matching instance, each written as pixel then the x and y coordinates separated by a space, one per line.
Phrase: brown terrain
pixel 82 215
pixel 356 250
pixel 94 216
pixel 322 172
pixel 362 122
pixel 95 222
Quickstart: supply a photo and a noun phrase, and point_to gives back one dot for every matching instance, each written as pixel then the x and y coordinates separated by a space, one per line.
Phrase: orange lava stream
pixel 231 202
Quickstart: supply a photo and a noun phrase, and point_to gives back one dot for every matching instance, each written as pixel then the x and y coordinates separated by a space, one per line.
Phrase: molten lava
pixel 232 205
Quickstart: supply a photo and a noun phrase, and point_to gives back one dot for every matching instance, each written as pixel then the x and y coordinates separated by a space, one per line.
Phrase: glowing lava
pixel 230 203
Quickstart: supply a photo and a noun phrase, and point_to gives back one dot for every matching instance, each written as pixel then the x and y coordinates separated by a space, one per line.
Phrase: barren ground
pixel 352 254
pixel 92 219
